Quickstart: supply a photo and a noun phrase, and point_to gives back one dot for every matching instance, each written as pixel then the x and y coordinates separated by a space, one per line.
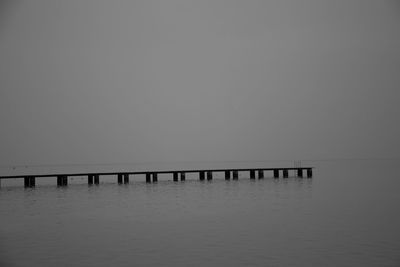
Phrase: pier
pixel 152 176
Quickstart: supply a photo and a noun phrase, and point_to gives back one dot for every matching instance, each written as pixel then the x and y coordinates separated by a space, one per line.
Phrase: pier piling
pixel 309 173
pixel 155 177
pixel 227 175
pixel 276 173
pixel 59 180
pixel 119 178
pixel 148 177
pixel 183 176
pixel 252 174
pixel 96 179
pixel 300 173
pixel 285 173
pixel 126 178
pixel 175 176
pixel 201 176
pixel 209 175
pixel 90 179
pixel 29 181
pixel 235 175
pixel 64 180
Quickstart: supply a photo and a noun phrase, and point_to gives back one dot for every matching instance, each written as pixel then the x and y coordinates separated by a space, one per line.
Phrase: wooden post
pixel 26 181
pixel 148 177
pixel 155 178
pixel 201 175
pixel 64 180
pixel 175 175
pixel 235 175
pixel 285 173
pixel 59 180
pixel 209 175
pixel 90 179
pixel 252 174
pixel 260 174
pixel 119 178
pixel 126 178
pixel 183 177
pixel 300 173
pixel 309 173
pixel 96 179
pixel 227 175
pixel 29 181
pixel 276 173
pixel 32 182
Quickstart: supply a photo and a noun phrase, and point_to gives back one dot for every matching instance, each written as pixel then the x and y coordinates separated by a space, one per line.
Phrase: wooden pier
pixel 152 176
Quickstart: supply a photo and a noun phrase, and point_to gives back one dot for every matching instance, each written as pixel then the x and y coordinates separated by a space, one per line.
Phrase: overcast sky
pixel 198 80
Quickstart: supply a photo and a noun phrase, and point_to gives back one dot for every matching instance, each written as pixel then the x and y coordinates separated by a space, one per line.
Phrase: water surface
pixel 347 215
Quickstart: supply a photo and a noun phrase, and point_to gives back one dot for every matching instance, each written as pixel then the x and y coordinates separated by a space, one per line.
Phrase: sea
pixel 348 214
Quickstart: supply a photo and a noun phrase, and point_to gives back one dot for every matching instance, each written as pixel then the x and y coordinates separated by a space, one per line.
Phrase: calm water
pixel 347 215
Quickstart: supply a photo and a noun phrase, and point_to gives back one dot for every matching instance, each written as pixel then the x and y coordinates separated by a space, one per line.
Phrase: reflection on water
pixel 346 215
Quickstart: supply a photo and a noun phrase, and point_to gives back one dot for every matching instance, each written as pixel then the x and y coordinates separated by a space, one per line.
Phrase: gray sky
pixel 172 80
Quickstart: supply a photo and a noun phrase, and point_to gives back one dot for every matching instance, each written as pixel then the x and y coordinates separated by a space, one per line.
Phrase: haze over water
pixel 347 215
pixel 100 81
